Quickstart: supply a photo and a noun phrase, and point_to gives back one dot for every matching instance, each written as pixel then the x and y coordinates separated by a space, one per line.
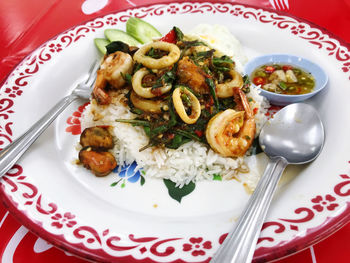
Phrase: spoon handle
pixel 239 245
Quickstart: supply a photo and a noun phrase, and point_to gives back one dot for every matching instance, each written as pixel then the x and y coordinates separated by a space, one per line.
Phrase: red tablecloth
pixel 24 25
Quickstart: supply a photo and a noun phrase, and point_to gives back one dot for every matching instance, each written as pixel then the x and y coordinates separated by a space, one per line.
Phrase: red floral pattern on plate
pixel 74 121
pixel 326 202
pixel 197 247
pixel 61 220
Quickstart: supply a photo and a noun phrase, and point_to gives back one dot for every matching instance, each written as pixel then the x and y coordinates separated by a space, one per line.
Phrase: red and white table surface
pixel 25 25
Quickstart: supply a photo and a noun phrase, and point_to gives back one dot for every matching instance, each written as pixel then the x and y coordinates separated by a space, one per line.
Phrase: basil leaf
pixel 177 141
pixel 117 46
pixel 142 181
pixel 178 193
pixel 224 60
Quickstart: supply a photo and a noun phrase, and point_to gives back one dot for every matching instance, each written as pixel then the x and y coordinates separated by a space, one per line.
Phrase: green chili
pixel 282 85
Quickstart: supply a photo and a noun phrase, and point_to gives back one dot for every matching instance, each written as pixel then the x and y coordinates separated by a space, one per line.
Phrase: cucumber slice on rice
pixel 101 44
pixel 141 30
pixel 119 35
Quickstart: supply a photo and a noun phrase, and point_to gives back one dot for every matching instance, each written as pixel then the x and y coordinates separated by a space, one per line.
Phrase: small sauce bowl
pixel 316 71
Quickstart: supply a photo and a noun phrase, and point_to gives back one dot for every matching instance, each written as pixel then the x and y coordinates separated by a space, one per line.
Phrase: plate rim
pixel 317 234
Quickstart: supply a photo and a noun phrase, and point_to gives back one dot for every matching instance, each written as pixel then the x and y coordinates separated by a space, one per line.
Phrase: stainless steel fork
pixel 10 154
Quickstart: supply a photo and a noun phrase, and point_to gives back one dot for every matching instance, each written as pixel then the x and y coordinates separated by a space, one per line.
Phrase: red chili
pixel 259 81
pixel 298 90
pixel 209 103
pixel 255 110
pixel 170 37
pixel 199 133
pixel 269 69
pixel 287 67
pixel 171 136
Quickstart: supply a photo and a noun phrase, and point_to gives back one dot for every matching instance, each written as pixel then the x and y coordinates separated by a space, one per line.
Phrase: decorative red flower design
pixel 197 246
pixel 63 220
pixel 172 9
pixel 111 21
pixel 321 203
pixel 298 29
pixel 237 11
pixel 14 92
pixel 55 47
pixel 74 120
pixel 346 67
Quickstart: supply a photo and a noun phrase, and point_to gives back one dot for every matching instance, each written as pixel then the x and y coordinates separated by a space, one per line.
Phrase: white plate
pixel 78 212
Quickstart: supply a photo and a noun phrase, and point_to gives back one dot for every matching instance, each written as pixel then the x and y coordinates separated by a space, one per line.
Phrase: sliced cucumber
pixel 101 44
pixel 119 35
pixel 141 30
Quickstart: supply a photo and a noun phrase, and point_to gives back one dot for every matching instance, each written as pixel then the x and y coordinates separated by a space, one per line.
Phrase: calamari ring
pixel 180 108
pixel 225 90
pixel 163 62
pixel 146 92
pixel 153 106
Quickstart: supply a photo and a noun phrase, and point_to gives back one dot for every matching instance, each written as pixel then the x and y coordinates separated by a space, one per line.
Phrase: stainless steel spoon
pixel 295 135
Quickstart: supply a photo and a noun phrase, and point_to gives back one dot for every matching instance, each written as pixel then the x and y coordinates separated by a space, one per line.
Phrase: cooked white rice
pixel 192 161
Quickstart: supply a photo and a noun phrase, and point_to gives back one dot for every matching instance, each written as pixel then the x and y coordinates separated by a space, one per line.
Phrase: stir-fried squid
pixel 141 56
pixel 181 91
pixel 142 90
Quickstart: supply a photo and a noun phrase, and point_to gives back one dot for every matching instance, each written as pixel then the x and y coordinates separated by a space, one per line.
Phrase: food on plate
pixel 283 79
pixel 119 35
pixel 147 56
pixel 111 72
pixel 101 44
pixel 97 137
pixel 186 105
pixel 94 155
pixel 231 132
pixel 100 163
pixel 179 106
pixel 141 30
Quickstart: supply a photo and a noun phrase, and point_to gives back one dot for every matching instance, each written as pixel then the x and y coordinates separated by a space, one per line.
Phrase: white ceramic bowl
pixel 317 72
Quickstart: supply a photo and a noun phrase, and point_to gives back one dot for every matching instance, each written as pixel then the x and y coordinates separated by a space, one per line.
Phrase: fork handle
pixel 239 245
pixel 11 153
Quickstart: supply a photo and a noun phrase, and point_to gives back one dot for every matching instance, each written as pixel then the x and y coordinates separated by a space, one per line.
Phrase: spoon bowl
pixel 295 135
